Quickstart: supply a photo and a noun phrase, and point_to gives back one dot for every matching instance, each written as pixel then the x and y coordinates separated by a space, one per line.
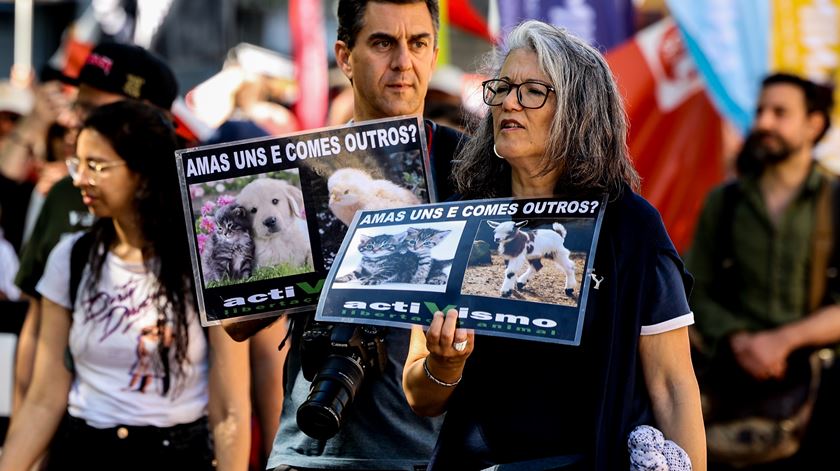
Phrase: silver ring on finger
pixel 460 346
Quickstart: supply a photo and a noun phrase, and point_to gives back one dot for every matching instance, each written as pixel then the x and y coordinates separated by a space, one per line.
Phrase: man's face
pixel 392 60
pixel 89 98
pixel 782 127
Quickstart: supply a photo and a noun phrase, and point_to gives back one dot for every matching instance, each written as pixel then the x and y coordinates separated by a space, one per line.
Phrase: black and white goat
pixel 520 247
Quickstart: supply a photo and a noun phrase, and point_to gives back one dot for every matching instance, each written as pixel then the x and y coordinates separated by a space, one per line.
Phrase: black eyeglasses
pixel 534 96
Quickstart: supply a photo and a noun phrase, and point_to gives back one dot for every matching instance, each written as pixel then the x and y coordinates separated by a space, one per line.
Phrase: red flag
pixel 463 15
pixel 675 133
pixel 310 55
pixel 77 42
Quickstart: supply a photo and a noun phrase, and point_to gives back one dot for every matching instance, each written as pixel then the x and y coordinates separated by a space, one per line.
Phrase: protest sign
pixel 517 268
pixel 267 216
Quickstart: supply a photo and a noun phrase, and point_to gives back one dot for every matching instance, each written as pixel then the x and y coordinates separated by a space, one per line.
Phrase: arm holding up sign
pixel 435 363
pixel 556 127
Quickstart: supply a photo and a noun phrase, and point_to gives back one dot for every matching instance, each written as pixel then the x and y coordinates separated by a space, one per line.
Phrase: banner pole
pixel 22 68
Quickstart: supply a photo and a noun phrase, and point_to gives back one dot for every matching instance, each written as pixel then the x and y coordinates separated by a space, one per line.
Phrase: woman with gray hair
pixel 557 127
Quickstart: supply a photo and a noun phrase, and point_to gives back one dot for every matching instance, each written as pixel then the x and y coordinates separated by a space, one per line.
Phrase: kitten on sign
pixel 381 261
pixel 420 242
pixel 352 189
pixel 229 253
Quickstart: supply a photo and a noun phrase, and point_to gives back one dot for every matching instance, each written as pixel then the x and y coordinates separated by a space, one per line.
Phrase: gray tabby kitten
pixel 229 253
pixel 382 261
pixel 420 242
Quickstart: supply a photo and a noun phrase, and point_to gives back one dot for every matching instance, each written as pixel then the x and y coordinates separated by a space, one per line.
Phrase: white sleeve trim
pixel 669 325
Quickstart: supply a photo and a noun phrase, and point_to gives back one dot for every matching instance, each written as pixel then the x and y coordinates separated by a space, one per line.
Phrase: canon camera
pixel 336 358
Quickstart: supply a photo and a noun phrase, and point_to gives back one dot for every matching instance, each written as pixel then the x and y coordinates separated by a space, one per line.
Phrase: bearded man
pixel 763 293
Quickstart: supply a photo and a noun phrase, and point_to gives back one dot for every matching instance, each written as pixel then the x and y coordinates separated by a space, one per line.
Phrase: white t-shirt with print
pixel 114 341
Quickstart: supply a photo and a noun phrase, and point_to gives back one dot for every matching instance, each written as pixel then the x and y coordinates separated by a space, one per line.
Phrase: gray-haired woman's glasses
pixel 94 169
pixel 531 94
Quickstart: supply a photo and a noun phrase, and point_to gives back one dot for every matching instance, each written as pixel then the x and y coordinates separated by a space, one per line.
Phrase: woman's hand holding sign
pixel 448 345
pixel 435 365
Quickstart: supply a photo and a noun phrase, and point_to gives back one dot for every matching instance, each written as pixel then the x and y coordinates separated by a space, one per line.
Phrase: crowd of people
pixel 153 389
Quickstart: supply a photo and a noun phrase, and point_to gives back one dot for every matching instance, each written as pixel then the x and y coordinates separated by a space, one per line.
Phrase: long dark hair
pixel 588 135
pixel 145 139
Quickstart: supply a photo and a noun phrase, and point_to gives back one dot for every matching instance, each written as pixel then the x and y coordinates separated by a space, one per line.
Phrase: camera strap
pixel 286 337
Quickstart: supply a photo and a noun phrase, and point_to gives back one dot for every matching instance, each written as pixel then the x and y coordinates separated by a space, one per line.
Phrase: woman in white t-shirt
pixel 143 375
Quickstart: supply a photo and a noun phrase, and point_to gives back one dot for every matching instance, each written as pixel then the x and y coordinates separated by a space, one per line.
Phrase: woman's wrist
pixel 441 375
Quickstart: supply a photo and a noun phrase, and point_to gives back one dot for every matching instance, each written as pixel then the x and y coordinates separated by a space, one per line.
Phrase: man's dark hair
pixel 818 98
pixel 351 14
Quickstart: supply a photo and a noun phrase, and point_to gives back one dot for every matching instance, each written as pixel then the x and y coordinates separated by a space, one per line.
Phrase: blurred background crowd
pixel 247 59
pixel 689 71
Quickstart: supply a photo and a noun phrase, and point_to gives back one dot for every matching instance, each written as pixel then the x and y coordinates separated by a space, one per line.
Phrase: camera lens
pixel 332 390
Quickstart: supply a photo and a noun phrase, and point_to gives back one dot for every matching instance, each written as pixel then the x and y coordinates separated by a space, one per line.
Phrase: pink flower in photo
pixel 208 208
pixel 196 191
pixel 225 200
pixel 207 224
pixel 202 240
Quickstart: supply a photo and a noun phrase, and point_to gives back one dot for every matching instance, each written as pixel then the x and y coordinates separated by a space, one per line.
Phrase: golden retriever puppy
pixel 280 234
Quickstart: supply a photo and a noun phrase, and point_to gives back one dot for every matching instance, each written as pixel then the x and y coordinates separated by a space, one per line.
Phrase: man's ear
pixel 816 123
pixel 342 57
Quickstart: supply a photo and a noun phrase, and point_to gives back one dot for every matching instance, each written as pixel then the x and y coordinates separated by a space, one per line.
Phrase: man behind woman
pixel 557 126
pixel 136 395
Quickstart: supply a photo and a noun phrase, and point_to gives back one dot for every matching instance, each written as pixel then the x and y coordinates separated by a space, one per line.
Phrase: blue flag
pixel 602 23
pixel 729 41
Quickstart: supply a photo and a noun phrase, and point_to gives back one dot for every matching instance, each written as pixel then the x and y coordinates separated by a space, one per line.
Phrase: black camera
pixel 336 358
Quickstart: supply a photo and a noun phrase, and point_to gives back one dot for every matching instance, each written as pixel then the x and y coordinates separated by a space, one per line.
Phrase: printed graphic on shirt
pixel 126 312
pixel 149 369
pixel 118 310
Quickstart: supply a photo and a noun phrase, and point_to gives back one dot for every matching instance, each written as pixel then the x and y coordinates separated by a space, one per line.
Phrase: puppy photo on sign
pixel 251 228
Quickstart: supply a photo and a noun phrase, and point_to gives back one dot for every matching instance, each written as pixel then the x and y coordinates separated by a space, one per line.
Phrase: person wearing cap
pixel 125 376
pixel 112 72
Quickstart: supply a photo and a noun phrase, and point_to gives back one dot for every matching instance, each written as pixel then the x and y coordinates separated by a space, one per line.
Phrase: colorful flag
pixel 310 55
pixel 729 43
pixel 604 23
pixel 737 43
pixel 675 133
pixel 76 43
pixel 463 15
pixel 443 33
pixel 805 40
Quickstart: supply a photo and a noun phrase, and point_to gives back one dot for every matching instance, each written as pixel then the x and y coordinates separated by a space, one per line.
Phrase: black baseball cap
pixel 130 71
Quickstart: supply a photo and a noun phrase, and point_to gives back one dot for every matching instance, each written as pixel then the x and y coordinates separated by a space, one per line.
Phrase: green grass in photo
pixel 265 273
